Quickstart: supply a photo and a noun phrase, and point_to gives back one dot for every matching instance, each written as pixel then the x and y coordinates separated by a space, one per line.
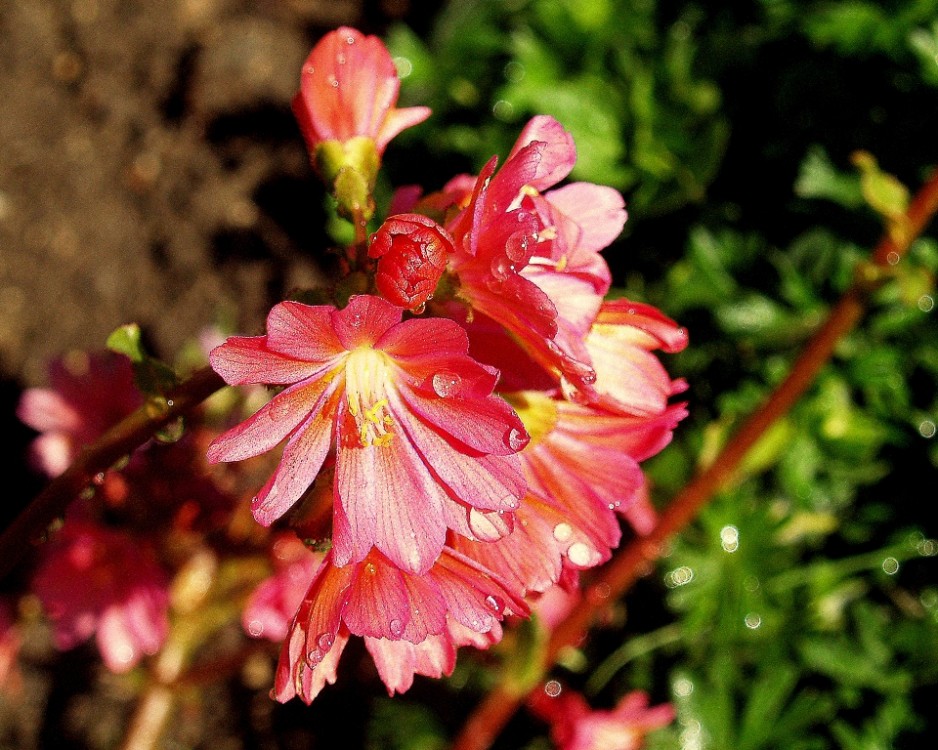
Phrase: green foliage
pixel 625 85
pixel 800 611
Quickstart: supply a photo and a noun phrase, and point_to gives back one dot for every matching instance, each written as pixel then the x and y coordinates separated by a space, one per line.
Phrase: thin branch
pixel 119 441
pixel 630 563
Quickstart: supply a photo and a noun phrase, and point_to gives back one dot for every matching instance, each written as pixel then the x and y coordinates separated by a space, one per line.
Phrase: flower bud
pixel 412 252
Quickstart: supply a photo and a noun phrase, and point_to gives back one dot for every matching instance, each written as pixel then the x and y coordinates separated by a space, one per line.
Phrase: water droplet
pixel 581 555
pixel 314 657
pixel 350 39
pixel 892 258
pixel 752 620
pixel 325 641
pixel 396 627
pixel 890 566
pixel 563 532
pixel 340 58
pixel 683 687
pixel 421 308
pixel 98 478
pixel 927 429
pixel 370 569
pixel 729 538
pixel 679 577
pixel 926 303
pixel 553 688
pixel 502 267
pixel 497 604
pixel 517 439
pixel 256 628
pixel 309 70
pixel 445 383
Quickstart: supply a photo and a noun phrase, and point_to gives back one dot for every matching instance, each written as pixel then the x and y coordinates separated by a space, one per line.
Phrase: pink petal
pixel 386 497
pixel 399 661
pixel 557 158
pixel 364 320
pixel 474 597
pixel 398 120
pixel 300 463
pixel 598 210
pixel 45 410
pixel 303 332
pixel 244 360
pixel 485 425
pixel 386 603
pixel 271 423
pixel 493 484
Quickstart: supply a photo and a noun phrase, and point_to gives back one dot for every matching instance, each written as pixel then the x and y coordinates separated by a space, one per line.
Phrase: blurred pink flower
pixel 94 580
pixel 421 443
pixel 87 394
pixel 575 726
pixel 10 681
pixel 349 88
pixel 273 604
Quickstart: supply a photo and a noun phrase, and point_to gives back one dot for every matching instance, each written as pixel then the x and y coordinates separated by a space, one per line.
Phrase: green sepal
pixel 350 168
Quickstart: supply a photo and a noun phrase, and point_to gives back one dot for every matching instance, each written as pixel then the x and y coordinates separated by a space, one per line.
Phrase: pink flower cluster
pixel 477 419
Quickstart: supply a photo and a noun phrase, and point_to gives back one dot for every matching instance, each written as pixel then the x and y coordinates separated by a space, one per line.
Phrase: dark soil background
pixel 150 172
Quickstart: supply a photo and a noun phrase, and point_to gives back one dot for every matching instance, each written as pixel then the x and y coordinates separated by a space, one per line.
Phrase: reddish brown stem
pixel 120 441
pixel 496 710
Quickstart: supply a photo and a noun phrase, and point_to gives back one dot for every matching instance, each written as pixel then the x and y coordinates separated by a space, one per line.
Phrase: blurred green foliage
pixel 756 144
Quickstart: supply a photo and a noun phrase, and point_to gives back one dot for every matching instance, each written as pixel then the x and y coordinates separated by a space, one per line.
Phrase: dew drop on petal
pixel 256 628
pixel 580 554
pixel 517 439
pixel 563 532
pixel 497 604
pixel 444 384
pixel 314 657
pixel 325 641
pixel 396 627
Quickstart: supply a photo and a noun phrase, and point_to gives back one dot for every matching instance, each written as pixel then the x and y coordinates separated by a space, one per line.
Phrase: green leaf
pixel 127 340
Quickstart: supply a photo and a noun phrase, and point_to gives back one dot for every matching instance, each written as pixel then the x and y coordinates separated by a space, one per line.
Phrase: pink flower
pixel 88 393
pixel 582 470
pixel 530 261
pixel 348 89
pixel 273 604
pixel 421 444
pixel 94 580
pixel 410 623
pixel 575 726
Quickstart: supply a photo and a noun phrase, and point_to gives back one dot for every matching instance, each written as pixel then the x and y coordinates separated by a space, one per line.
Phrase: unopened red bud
pixel 412 252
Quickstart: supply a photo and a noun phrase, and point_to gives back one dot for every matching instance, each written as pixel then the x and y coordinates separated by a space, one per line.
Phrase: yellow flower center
pixel 366 377
pixel 537 411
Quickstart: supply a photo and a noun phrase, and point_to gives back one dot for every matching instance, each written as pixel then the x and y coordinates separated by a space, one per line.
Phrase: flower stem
pixel 119 441
pixel 635 560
